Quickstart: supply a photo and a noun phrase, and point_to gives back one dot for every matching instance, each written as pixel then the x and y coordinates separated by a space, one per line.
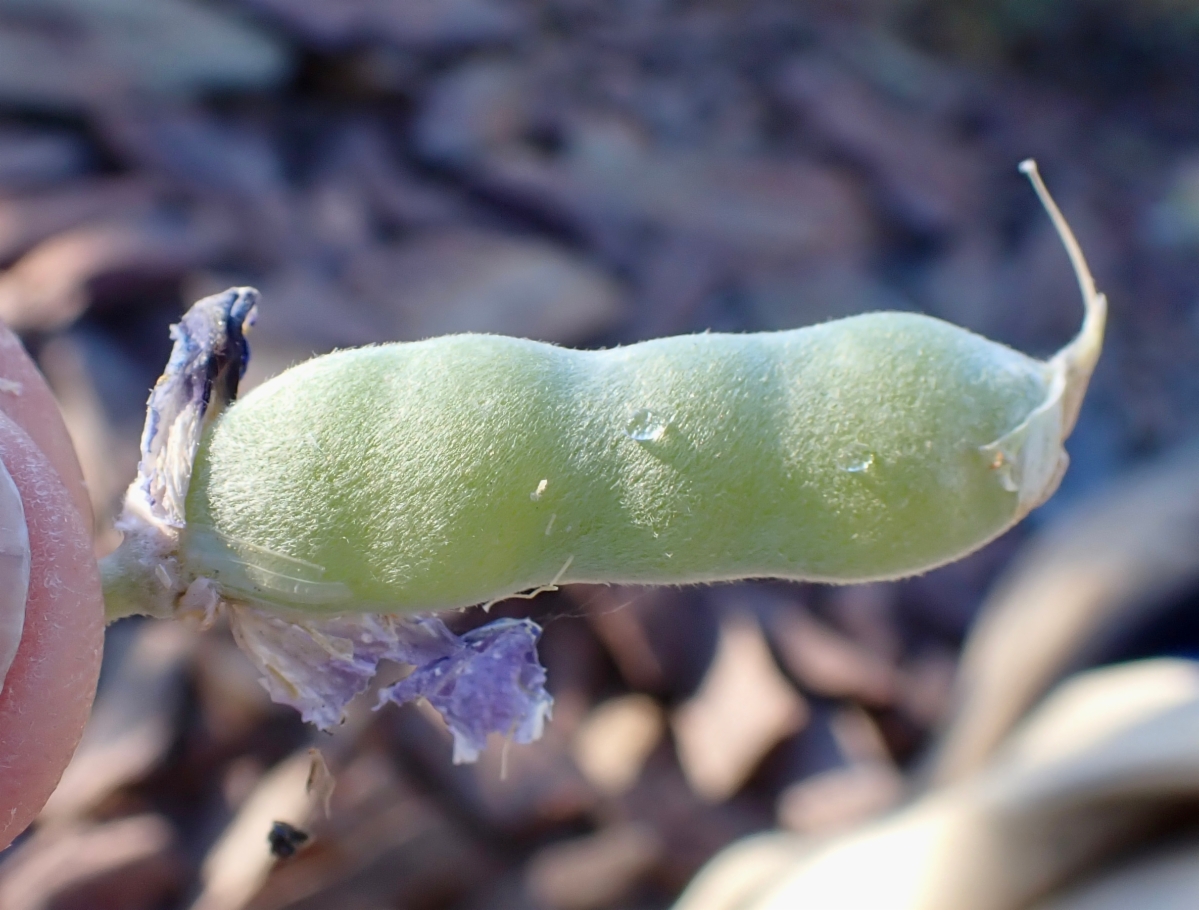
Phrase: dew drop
pixel 645 426
pixel 856 459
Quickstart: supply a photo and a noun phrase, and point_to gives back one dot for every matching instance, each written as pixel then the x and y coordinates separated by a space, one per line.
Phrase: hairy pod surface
pixel 466 468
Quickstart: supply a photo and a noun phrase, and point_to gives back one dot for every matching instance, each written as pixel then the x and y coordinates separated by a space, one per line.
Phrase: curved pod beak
pixel 1031 458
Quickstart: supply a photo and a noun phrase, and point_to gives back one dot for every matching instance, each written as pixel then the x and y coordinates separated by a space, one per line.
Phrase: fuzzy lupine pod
pixel 438 474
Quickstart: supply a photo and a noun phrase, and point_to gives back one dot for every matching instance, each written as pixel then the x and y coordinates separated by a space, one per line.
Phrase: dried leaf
pixel 1097 568
pixel 825 662
pixel 1101 765
pixel 760 208
pixel 591 872
pixel 615 740
pixel 131 863
pixel 836 800
pixel 51 286
pixel 742 709
pixel 132 725
pixel 30 159
pixel 466 281
pixel 430 24
pixel 70 54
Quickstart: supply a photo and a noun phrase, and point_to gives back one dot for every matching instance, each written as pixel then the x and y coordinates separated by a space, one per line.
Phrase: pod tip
pixel 1077 359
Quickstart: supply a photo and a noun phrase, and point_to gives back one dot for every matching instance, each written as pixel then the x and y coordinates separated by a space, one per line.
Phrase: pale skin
pixel 49 688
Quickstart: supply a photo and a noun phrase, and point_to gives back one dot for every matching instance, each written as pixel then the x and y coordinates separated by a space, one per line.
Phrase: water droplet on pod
pixel 856 459
pixel 645 426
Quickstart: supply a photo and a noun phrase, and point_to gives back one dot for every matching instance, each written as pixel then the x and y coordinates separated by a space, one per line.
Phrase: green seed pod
pixel 465 469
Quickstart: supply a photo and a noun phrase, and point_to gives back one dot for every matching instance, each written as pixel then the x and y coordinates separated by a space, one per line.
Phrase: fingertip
pixel 49 688
pixel 26 398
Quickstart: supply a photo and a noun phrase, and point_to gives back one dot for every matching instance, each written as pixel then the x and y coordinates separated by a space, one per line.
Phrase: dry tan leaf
pixel 320 781
pixel 615 740
pixel 471 281
pixel 1166 879
pixel 828 663
pixel 239 863
pixel 591 872
pixel 1108 559
pixel 113 47
pixel 52 284
pixel 743 708
pixel 107 456
pixel 738 874
pixel 31 158
pixel 1077 784
pixel 414 23
pixel 836 800
pixel 759 208
pixel 29 219
pixel 132 725
pixel 130 863
pixel 928 177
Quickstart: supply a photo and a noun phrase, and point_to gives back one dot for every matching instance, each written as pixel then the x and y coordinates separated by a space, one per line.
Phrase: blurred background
pixel 595 172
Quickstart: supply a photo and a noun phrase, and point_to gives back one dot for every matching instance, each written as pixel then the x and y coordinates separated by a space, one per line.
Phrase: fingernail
pixel 14 570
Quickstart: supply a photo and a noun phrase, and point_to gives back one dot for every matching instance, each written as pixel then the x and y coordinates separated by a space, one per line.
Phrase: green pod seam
pixel 463 469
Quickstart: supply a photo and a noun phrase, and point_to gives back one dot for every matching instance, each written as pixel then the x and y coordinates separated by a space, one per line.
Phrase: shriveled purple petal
pixel 492 683
pixel 486 681
pixel 316 667
pixel 207 361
